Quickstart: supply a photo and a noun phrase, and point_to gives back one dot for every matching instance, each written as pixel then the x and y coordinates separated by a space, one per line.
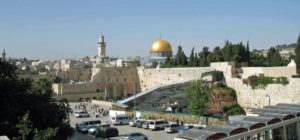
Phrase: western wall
pixel 154 77
pixel 246 96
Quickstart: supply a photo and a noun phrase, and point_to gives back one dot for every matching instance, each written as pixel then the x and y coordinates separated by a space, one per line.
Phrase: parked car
pixel 171 128
pixel 145 125
pixel 94 130
pixel 184 128
pixel 107 132
pixel 87 124
pixel 135 136
pixel 133 123
pixel 80 114
pixel 139 123
pixel 87 128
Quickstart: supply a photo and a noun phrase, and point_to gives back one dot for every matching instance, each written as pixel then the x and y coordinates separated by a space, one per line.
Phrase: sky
pixel 56 29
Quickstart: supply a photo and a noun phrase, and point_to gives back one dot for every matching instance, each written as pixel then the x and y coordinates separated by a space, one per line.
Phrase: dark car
pixel 171 128
pixel 135 136
pixel 182 129
pixel 139 124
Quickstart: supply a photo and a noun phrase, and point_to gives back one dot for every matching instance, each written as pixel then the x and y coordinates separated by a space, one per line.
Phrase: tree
pixel 24 127
pixel 203 57
pixel 274 57
pixel 198 94
pixel 167 63
pixel 20 96
pixel 44 87
pixel 247 53
pixel 196 60
pixel 192 58
pixel 180 58
pixel 217 55
pixel 154 64
pixel 297 57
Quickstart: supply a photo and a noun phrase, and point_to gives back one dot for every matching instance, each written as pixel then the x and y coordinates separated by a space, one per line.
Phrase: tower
pixel 3 55
pixel 101 47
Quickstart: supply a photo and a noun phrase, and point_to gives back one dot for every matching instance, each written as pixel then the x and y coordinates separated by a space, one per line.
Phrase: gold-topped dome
pixel 160 45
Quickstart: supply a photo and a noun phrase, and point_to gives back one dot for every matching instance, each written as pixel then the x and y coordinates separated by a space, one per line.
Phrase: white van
pixel 157 124
pixel 120 119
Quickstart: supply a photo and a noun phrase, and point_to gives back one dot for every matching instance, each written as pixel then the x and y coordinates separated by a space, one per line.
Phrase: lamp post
pixel 269 99
pixel 105 93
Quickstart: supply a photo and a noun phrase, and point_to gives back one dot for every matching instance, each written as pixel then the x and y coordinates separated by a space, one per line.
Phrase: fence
pixel 186 118
pixel 100 102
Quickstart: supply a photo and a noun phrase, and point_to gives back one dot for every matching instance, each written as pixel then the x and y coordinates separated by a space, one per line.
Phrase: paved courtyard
pixel 153 135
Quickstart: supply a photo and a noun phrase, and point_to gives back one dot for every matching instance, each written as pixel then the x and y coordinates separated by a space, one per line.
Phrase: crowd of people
pixel 92 109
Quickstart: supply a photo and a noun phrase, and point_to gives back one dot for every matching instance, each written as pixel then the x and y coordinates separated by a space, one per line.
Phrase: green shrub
pixel 262 81
pixel 234 109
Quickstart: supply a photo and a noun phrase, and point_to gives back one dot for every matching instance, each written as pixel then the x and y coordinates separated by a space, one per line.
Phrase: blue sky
pixel 55 29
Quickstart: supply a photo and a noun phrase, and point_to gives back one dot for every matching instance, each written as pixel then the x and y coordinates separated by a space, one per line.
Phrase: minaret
pixel 4 55
pixel 101 47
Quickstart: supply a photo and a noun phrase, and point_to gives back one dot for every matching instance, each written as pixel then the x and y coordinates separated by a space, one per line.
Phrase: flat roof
pixel 283 108
pixel 246 124
pixel 229 130
pixel 277 115
pixel 265 120
pixel 289 105
pixel 201 134
pixel 281 111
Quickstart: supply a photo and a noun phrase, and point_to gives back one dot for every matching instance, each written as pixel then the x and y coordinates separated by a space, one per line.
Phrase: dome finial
pixel 160 36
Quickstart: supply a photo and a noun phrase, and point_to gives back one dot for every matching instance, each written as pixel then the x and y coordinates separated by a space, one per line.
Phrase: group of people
pixel 92 108
pixel 98 112
pixel 81 106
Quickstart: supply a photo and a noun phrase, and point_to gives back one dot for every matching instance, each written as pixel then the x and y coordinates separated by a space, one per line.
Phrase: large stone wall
pixel 154 77
pixel 257 98
pixel 273 93
pixel 268 71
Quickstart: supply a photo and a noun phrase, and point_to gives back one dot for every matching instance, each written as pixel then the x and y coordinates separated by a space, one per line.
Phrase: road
pixel 123 129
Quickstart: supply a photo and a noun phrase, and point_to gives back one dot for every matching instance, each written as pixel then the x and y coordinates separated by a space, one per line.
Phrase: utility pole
pixel 134 94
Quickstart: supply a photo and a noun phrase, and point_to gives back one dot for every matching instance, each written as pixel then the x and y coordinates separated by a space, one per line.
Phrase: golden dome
pixel 160 45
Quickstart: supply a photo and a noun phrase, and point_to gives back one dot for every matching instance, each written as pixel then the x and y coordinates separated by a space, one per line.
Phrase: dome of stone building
pixel 160 45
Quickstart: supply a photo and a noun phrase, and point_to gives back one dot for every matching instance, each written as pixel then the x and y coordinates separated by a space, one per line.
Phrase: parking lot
pixel 123 129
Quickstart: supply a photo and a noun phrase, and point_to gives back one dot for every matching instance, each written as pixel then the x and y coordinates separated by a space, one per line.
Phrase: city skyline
pixel 70 29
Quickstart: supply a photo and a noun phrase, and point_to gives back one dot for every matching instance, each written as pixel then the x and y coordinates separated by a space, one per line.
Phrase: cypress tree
pixel 297 57
pixel 192 58
pixel 247 53
pixel 196 60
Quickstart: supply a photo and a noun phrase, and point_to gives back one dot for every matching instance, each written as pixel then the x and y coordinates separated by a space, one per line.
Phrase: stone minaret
pixel 101 47
pixel 4 55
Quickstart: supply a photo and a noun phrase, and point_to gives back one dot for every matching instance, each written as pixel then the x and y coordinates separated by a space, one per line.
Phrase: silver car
pixel 80 114
pixel 135 136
